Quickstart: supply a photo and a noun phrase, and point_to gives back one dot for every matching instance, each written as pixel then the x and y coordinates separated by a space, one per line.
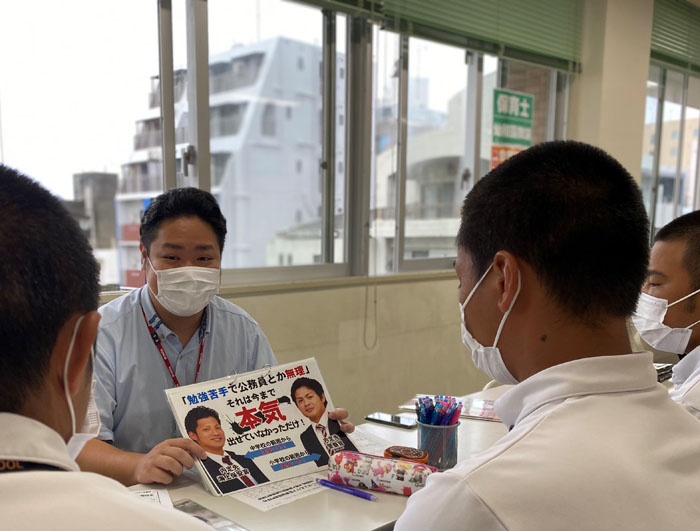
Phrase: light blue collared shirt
pixel 131 375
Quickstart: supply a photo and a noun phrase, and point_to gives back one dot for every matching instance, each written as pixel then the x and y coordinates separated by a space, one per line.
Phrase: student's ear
pixel 144 255
pixel 84 340
pixel 506 266
pixel 193 436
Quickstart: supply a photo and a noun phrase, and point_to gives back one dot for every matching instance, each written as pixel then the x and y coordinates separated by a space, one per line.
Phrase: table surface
pixel 330 509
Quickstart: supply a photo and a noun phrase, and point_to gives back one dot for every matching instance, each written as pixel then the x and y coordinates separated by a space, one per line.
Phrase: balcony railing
pixel 141 178
pixel 141 184
pixel 154 95
pixel 154 99
pixel 147 139
pixel 421 211
pixel 221 83
pixel 151 139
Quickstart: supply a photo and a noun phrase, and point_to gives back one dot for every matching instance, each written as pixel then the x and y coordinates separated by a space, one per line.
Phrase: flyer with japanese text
pixel 259 427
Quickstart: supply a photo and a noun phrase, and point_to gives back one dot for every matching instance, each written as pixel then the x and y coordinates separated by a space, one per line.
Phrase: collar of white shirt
pixel 323 421
pixel 586 376
pixel 685 368
pixel 26 439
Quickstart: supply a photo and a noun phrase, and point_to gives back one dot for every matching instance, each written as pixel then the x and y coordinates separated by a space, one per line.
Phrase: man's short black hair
pixel 575 215
pixel 197 414
pixel 312 384
pixel 47 274
pixel 182 202
pixel 686 228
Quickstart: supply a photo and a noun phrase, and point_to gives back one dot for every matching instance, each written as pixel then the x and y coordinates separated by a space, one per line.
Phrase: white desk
pixel 332 510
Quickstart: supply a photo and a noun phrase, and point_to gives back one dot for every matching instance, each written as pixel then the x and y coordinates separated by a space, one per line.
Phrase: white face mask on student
pixel 648 319
pixel 91 424
pixel 488 359
pixel 185 291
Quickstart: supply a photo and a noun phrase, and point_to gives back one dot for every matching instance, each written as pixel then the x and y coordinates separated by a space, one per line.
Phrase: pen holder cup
pixel 441 444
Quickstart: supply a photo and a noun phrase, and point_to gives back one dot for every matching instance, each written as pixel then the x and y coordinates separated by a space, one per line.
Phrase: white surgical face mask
pixel 91 424
pixel 185 291
pixel 648 319
pixel 488 359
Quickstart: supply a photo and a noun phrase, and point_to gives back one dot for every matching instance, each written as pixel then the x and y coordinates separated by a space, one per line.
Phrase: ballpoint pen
pixel 349 490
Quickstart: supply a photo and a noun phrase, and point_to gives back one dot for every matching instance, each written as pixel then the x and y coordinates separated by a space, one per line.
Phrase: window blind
pixel 369 9
pixel 546 32
pixel 675 35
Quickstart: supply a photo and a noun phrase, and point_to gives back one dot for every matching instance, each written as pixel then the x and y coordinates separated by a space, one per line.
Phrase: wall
pixel 418 347
pixel 606 102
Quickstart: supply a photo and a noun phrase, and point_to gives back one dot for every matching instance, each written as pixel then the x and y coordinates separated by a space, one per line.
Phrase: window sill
pixel 312 285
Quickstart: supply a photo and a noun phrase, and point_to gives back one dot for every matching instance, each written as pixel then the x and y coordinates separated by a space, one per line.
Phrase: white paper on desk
pixel 368 443
pixel 159 496
pixel 270 495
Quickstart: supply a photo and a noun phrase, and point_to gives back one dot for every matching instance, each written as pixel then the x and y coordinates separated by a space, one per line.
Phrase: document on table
pixel 271 495
pixel 159 496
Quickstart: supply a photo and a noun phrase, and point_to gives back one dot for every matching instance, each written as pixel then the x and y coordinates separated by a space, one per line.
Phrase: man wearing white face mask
pixel 551 254
pixel 48 322
pixel 668 312
pixel 173 331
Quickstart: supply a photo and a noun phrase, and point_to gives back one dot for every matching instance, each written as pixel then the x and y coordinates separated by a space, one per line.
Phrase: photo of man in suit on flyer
pixel 324 437
pixel 227 470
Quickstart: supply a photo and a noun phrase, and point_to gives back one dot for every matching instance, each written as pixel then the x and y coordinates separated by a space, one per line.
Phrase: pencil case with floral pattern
pixel 378 473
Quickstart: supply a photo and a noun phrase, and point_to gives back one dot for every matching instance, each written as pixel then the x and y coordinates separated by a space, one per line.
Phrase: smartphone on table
pixel 392 420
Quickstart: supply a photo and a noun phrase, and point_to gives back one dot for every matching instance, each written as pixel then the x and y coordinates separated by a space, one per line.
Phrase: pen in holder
pixel 441 444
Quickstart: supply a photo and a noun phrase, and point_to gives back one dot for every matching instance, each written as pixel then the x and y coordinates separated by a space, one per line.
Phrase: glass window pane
pixel 183 134
pixel 385 133
pixel 530 79
pixel 649 137
pixel 340 117
pixel 489 83
pixel 436 163
pixel 80 114
pixel 265 74
pixel 527 79
pixel 668 151
pixel 689 165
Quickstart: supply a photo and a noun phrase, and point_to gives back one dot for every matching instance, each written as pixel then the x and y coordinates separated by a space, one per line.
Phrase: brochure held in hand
pixel 259 427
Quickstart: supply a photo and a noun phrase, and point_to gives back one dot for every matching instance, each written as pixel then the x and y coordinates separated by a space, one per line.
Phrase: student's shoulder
pixel 101 499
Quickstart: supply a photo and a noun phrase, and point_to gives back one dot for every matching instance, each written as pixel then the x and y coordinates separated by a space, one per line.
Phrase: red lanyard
pixel 156 342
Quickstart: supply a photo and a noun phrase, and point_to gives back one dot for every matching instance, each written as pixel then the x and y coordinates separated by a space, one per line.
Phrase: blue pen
pixel 428 413
pixel 349 490
pixel 436 414
pixel 443 410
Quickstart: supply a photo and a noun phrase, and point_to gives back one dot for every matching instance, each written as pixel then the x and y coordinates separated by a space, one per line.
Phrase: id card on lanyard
pixel 159 346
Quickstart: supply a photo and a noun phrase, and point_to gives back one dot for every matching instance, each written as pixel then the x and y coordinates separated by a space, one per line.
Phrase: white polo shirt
pixel 595 444
pixel 67 499
pixel 686 377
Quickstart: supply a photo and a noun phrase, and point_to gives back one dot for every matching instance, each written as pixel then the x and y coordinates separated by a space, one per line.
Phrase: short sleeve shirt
pixel 131 375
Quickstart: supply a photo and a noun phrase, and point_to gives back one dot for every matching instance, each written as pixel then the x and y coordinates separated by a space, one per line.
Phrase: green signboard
pixel 512 117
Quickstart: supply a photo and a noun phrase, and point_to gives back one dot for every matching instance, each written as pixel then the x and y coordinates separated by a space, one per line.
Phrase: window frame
pixel 657 137
pixel 359 108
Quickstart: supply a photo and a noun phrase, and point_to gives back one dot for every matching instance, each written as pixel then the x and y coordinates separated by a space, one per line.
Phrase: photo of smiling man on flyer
pixel 325 436
pixel 228 470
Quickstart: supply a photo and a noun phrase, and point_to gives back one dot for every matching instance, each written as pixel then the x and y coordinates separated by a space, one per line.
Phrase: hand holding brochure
pixel 258 427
